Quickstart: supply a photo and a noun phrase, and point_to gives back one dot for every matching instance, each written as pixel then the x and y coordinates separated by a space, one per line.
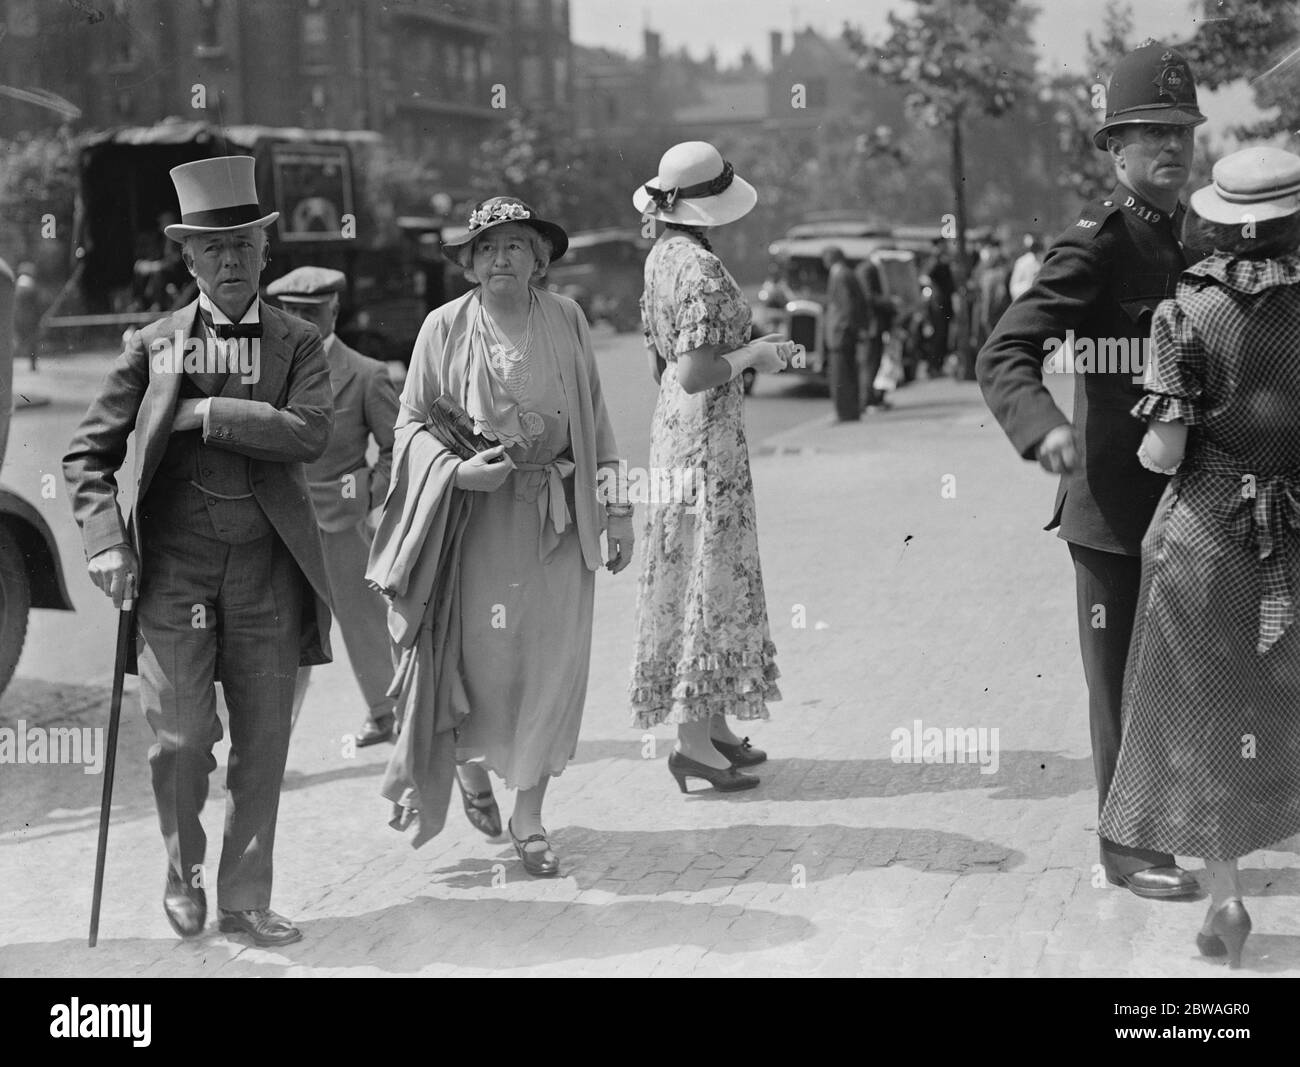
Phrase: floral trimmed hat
pixel 499 210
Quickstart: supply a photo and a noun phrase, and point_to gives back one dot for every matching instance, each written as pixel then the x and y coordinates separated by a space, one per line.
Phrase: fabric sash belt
pixel 1266 513
pixel 544 482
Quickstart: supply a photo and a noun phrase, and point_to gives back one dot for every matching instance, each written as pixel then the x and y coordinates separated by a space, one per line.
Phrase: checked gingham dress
pixel 1210 761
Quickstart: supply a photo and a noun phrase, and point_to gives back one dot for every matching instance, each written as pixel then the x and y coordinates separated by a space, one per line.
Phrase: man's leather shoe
pixel 186 908
pixel 263 925
pixel 375 731
pixel 1157 883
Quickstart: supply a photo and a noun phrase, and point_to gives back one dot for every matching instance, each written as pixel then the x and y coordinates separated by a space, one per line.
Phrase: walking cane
pixel 125 633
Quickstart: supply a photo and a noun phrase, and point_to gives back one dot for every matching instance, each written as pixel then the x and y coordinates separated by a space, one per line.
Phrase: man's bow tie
pixel 226 330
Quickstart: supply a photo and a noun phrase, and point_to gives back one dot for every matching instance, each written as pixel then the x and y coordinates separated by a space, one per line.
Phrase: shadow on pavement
pixel 659 861
pixel 1019 776
pixel 404 938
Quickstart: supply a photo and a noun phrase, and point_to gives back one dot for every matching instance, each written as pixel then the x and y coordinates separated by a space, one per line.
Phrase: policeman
pixel 1102 280
pixel 345 488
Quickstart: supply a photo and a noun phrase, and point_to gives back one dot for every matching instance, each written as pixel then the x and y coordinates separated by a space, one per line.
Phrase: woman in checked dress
pixel 1210 762
pixel 703 647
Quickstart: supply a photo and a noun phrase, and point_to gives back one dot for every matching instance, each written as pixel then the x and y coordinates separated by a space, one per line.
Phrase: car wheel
pixel 747 377
pixel 15 603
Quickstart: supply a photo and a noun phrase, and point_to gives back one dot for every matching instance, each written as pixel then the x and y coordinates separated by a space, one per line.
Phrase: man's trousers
pixel 211 611
pixel 1107 587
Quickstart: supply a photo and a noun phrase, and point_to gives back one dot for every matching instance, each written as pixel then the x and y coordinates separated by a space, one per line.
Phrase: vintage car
pixel 31 574
pixel 792 302
pixel 604 271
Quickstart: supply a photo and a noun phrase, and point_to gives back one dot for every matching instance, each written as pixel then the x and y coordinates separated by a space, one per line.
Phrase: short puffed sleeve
pixel 1175 371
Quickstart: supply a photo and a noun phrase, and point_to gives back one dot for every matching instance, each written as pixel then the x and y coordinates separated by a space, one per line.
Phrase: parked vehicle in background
pixel 31 575
pixel 125 273
pixel 604 271
pixel 798 264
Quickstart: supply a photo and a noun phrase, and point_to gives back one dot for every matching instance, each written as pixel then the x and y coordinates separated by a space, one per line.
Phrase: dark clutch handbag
pixel 451 424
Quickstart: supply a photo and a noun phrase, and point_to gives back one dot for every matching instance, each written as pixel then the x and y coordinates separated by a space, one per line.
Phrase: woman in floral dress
pixel 703 646
pixel 1210 762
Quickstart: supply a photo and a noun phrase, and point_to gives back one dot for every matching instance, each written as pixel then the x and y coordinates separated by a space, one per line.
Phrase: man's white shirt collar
pixel 253 314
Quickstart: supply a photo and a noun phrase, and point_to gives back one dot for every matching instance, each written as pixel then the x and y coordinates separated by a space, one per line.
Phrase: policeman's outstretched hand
pixel 1058 452
pixel 485 472
pixel 117 572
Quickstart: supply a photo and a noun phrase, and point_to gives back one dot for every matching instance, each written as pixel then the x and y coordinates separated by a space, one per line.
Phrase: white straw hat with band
pixel 695 186
pixel 1251 185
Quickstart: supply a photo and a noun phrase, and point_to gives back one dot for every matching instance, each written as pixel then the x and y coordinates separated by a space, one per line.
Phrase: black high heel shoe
pixel 486 820
pixel 1231 926
pixel 741 754
pixel 724 781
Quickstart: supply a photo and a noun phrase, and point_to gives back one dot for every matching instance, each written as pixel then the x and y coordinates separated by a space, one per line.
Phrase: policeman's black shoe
pixel 1157 883
pixel 186 907
pixel 264 926
pixel 375 731
pixel 742 754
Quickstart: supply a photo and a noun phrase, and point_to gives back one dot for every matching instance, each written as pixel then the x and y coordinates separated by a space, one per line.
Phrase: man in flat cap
pixel 228 398
pixel 345 488
pixel 1101 281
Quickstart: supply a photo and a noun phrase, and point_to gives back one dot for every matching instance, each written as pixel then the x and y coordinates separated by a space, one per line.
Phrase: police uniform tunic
pixel 1098 288
pixel 1101 281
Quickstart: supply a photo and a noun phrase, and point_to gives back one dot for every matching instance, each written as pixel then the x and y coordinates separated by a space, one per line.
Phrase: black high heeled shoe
pixel 1231 925
pixel 487 819
pixel 742 753
pixel 724 781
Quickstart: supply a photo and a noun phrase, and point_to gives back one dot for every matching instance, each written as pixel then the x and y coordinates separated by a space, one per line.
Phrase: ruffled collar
pixel 1248 275
pixel 496 413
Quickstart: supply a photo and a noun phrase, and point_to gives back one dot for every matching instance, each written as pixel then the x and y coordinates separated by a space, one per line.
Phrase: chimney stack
pixel 775 38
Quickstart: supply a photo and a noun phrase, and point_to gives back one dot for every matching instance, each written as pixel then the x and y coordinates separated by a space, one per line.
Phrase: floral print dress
pixel 703 646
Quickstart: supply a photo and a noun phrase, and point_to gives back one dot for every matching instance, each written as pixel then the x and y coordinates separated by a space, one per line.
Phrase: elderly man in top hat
pixel 1102 280
pixel 345 489
pixel 228 398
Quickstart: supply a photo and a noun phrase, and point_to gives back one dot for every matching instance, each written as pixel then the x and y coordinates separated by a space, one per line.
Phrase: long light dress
pixel 526 594
pixel 703 645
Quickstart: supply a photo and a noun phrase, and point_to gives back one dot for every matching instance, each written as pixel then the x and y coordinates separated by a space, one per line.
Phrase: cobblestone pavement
pixel 909 586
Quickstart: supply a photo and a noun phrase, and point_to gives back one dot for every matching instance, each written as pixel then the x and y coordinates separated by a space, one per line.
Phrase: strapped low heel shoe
pixel 729 780
pixel 485 818
pixel 542 863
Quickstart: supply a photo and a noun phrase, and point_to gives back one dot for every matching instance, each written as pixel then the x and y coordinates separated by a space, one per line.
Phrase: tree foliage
pixel 38 178
pixel 1258 40
pixel 955 59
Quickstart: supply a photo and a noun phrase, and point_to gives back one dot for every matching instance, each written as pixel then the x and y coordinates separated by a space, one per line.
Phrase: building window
pixel 315 28
pixel 530 74
pixel 22 20
pixel 318 97
pixel 561 69
pixel 209 42
pixel 468 69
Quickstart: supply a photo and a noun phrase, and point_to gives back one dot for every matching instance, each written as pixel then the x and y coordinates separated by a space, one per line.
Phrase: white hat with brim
pixel 217 196
pixel 695 186
pixel 1251 185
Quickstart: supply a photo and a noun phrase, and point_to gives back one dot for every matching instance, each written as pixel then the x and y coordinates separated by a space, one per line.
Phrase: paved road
pixel 910 587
